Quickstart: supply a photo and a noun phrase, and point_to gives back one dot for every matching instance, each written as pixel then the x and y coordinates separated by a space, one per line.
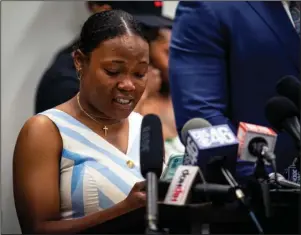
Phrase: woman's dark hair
pixel 99 3
pixel 151 33
pixel 107 25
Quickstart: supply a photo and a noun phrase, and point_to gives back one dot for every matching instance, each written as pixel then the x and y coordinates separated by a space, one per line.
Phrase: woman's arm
pixel 198 65
pixel 36 174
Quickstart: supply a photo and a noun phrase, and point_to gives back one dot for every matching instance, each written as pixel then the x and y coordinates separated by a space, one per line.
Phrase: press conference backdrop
pixel 31 32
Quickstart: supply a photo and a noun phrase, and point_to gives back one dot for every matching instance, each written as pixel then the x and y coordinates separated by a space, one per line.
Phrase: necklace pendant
pixel 105 129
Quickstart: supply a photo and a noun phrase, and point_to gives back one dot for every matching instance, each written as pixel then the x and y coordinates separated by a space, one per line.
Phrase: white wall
pixel 30 34
pixel 169 8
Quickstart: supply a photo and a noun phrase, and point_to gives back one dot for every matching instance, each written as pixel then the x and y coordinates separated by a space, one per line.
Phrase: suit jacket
pixel 59 82
pixel 225 61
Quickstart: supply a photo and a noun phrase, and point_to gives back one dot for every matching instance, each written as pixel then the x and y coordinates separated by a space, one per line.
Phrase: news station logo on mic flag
pixel 205 143
pixel 246 132
pixel 181 184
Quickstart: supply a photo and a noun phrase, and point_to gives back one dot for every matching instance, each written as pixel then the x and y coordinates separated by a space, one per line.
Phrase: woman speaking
pixel 77 165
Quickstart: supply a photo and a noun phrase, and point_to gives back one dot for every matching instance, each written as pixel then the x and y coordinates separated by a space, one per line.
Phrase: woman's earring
pixel 79 76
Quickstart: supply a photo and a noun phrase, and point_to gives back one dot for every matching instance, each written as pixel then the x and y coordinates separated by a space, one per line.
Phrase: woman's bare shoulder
pixel 39 133
pixel 39 123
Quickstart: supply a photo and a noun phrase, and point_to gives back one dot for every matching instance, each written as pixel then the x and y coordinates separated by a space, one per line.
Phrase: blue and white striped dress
pixel 94 174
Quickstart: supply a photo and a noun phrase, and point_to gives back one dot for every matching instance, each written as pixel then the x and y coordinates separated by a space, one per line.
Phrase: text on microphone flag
pixel 205 143
pixel 213 136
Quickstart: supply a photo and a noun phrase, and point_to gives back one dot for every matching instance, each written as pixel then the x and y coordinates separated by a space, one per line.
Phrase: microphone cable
pixel 241 198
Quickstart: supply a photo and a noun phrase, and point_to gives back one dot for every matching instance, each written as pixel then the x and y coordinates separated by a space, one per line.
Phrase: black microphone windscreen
pixel 289 86
pixel 151 146
pixel 278 109
pixel 195 123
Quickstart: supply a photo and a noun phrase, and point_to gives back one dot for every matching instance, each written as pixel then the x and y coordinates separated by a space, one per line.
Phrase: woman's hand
pixel 137 196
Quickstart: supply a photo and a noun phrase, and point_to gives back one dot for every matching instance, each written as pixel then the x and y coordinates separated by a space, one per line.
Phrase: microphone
pixel 206 144
pixel 210 142
pixel 283 115
pixel 256 144
pixel 212 188
pixel 151 163
pixel 282 181
pixel 179 190
pixel 194 123
pixel 289 86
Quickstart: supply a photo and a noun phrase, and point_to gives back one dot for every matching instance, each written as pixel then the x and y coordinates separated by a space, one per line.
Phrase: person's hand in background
pixel 152 87
pixel 154 81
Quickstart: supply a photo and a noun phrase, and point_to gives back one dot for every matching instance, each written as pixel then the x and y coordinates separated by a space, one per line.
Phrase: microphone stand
pixel 219 164
pixel 241 197
pixel 152 205
pixel 263 179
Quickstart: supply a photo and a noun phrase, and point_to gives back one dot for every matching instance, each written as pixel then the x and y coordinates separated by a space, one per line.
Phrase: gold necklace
pixel 105 128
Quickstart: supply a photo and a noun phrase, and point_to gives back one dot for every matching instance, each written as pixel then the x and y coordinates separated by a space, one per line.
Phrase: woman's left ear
pixel 78 58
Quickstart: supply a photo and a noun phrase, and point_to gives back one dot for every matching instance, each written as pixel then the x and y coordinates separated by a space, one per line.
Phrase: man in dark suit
pixel 225 61
pixel 60 82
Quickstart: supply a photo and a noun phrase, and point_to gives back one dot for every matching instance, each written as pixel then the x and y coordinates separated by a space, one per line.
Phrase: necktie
pixel 295 12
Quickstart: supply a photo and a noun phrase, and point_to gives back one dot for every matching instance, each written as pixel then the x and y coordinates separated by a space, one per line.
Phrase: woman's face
pixel 114 78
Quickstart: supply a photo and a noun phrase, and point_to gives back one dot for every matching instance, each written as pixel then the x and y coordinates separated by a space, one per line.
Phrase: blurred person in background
pixel 77 165
pixel 157 97
pixel 59 82
pixel 225 61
